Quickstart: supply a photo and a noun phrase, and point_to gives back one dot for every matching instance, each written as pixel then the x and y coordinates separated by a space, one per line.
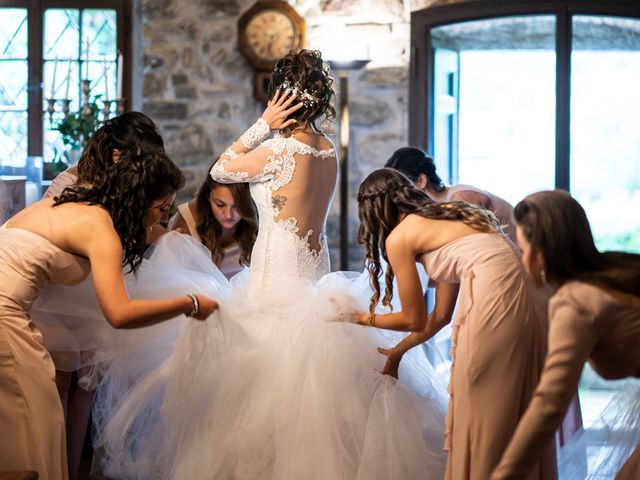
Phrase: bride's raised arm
pixel 245 160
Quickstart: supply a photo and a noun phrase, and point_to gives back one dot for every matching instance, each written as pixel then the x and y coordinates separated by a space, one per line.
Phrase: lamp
pixel 343 67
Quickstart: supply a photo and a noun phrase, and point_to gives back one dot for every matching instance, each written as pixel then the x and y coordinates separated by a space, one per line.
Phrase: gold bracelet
pixel 372 319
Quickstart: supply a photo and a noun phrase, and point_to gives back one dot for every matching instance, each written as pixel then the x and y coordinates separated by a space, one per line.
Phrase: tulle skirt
pixel 600 452
pixel 274 385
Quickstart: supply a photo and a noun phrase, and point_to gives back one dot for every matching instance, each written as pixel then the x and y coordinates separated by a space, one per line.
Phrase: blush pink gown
pixel 587 323
pixel 498 345
pixel 32 433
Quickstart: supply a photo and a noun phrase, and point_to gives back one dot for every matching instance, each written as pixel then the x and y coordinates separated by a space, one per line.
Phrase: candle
pixel 106 81
pixel 86 62
pixel 53 79
pixel 120 72
pixel 66 90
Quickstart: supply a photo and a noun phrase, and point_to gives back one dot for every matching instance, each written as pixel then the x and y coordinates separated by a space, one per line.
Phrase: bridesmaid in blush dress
pixel 420 168
pixel 117 135
pixel 499 331
pixel 59 242
pixel 594 316
pixel 224 219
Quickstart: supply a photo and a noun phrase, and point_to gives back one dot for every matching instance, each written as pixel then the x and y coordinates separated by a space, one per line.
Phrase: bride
pixel 271 386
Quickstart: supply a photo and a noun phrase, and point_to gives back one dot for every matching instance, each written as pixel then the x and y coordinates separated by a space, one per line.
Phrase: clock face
pixel 271 34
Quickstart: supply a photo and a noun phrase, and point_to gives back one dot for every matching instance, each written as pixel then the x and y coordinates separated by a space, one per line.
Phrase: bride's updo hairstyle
pixel 384 197
pixel 306 75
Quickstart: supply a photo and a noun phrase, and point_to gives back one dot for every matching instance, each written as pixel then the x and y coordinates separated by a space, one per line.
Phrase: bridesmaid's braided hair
pixel 386 195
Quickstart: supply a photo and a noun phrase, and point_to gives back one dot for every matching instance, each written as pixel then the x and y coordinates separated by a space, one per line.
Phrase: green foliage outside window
pixel 624 242
pixel 77 127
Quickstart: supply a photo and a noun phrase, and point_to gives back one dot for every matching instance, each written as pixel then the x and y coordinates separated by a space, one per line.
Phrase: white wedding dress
pixel 275 385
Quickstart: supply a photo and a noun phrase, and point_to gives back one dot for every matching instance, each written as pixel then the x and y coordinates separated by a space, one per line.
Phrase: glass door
pixel 495 128
pixel 446 86
pixel 605 126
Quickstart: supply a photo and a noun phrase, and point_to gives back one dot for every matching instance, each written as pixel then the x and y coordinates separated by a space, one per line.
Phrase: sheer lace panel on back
pixel 300 178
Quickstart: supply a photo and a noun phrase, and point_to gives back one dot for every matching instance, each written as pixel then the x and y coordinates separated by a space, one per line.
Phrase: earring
pixel 543 276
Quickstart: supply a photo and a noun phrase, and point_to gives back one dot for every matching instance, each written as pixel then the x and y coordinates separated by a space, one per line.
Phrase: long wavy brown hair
pixel 210 229
pixel 384 198
pixel 127 190
pixel 124 132
pixel 306 70
pixel 556 225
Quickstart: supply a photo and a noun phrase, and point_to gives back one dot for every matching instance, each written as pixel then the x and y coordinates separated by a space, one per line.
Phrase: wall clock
pixel 266 32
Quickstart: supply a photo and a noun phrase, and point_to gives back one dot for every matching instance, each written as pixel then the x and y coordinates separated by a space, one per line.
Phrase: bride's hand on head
pixel 279 108
pixel 393 361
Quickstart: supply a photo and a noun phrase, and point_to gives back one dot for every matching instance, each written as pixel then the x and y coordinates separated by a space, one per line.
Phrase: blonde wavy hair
pixel 384 197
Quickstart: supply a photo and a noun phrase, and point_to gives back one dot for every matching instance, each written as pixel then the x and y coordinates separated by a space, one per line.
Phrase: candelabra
pixel 85 108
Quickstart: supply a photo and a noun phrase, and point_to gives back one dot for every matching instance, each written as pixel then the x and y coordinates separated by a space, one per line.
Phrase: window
pixel 605 117
pixel 531 96
pixel 14 70
pixel 48 50
pixel 494 123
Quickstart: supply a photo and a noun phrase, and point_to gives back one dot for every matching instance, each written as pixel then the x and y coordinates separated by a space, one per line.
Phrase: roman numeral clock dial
pixel 266 32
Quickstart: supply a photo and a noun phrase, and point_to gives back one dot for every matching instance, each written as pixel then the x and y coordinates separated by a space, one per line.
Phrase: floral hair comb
pixel 307 99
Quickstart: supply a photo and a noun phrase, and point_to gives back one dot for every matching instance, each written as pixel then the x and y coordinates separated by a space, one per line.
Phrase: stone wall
pixel 198 87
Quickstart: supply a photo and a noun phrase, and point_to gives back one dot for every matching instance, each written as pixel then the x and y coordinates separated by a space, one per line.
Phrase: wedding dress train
pixel 275 384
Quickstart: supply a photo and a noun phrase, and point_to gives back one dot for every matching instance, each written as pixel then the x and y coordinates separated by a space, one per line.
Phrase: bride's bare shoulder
pixel 315 140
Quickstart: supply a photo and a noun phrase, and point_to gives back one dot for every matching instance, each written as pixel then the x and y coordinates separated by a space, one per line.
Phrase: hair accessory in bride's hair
pixel 306 97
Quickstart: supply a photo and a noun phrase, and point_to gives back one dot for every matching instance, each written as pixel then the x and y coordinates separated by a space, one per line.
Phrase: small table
pixel 15 475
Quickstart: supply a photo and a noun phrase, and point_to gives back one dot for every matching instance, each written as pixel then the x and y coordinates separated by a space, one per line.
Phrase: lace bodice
pixel 292 184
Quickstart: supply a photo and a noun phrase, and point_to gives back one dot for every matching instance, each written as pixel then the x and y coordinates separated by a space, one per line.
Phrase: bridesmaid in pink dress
pixel 119 134
pixel 421 170
pixel 224 219
pixel 594 316
pixel 499 333
pixel 59 242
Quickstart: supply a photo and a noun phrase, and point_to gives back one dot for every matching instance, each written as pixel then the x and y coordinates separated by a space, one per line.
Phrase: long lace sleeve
pixel 243 161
